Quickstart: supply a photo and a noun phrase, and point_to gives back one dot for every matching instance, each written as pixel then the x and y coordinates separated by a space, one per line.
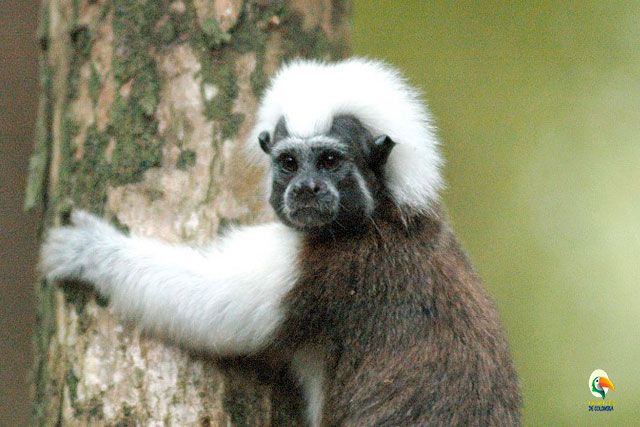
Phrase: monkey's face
pixel 316 182
pixel 327 180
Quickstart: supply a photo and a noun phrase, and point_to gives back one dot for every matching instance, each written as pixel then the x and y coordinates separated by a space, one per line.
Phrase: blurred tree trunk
pixel 143 110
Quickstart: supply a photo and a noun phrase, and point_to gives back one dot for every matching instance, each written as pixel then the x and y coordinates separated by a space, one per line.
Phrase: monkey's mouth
pixel 310 216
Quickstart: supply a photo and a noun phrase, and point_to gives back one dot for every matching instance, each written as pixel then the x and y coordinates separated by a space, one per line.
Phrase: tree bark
pixel 144 108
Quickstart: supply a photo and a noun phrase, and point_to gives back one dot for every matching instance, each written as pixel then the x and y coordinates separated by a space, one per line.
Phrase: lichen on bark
pixel 143 109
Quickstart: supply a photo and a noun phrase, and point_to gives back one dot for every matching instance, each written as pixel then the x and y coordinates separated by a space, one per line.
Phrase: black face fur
pixel 327 182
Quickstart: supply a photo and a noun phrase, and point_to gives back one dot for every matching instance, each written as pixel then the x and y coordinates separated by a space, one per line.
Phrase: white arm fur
pixel 226 299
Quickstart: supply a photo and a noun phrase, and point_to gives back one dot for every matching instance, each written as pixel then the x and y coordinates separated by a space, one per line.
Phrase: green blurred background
pixel 538 107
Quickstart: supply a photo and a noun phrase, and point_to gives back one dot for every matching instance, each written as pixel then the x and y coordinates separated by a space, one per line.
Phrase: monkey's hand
pixel 73 251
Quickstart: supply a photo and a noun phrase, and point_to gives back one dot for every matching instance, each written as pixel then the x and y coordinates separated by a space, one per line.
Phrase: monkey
pixel 360 288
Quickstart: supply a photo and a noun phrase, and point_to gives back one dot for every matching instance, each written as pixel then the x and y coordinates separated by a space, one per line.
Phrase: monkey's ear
pixel 380 150
pixel 265 141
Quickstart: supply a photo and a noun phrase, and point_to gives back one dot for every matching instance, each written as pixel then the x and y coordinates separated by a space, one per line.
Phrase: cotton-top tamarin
pixel 361 288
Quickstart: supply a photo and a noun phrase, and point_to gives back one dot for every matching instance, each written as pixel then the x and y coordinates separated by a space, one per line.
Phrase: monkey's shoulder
pixel 418 273
pixel 383 254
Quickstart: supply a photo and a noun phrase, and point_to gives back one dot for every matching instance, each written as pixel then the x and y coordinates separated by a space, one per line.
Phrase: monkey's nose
pixel 308 189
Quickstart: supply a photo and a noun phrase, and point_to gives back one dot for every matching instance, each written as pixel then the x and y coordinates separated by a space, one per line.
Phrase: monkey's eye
pixel 287 163
pixel 329 161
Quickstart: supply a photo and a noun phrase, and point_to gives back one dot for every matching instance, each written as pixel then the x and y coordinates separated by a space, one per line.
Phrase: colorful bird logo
pixel 600 384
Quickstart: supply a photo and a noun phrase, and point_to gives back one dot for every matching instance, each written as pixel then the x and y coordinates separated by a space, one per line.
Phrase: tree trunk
pixel 144 108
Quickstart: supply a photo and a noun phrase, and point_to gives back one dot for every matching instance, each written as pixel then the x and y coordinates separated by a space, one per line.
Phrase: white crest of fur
pixel 309 94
